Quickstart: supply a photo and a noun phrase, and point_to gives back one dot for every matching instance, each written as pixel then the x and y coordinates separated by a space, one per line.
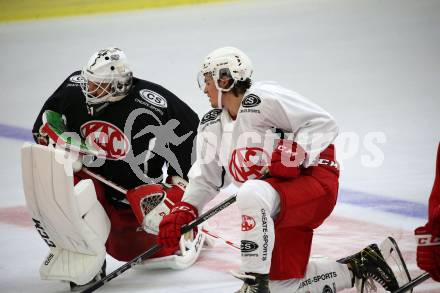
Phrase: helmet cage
pixel 107 77
pixel 110 89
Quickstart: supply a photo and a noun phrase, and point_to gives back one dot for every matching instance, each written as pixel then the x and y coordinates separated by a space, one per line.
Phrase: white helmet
pixel 110 74
pixel 226 60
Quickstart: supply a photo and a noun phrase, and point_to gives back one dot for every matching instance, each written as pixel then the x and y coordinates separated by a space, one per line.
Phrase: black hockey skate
pixel 369 263
pixel 101 274
pixel 253 282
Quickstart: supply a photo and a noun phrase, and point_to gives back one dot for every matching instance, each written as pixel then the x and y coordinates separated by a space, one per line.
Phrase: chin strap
pixel 220 92
pixel 219 99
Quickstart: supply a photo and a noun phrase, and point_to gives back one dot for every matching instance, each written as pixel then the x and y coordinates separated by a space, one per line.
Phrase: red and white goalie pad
pixel 69 218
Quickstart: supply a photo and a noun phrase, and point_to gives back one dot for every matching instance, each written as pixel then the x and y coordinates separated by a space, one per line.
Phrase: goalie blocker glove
pixel 169 229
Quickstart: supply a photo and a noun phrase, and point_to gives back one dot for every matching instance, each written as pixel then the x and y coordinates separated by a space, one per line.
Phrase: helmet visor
pixel 201 80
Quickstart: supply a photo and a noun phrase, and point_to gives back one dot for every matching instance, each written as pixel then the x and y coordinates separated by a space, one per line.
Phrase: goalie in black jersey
pixel 138 127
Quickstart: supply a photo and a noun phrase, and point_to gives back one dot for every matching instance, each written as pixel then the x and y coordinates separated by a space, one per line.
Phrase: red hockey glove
pixel 434 221
pixel 286 159
pixel 169 228
pixel 428 252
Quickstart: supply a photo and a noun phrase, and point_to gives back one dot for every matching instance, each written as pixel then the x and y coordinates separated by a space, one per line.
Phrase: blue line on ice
pixel 14 132
pixel 383 203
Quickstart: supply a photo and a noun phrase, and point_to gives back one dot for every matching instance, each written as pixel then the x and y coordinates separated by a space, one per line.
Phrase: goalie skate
pixel 101 274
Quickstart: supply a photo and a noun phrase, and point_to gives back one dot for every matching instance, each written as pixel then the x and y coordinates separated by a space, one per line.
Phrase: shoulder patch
pixel 211 115
pixel 77 78
pixel 250 101
pixel 153 98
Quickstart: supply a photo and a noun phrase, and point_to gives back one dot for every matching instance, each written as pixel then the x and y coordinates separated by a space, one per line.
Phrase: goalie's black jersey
pixel 140 133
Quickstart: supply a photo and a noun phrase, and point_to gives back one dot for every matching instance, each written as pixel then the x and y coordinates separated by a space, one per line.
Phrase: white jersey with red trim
pixel 237 150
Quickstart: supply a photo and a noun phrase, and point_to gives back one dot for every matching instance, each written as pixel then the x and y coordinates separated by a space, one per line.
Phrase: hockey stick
pixel 216 236
pixel 186 228
pixel 124 191
pixel 408 286
pixel 104 180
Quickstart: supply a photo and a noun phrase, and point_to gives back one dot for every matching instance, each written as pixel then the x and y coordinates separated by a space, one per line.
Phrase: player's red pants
pixel 305 203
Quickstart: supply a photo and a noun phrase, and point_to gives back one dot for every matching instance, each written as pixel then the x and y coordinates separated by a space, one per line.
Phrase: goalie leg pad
pixel 69 218
pixel 66 265
pixel 125 241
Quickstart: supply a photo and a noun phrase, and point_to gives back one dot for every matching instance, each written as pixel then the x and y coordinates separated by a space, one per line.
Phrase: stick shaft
pixel 411 284
pixel 98 284
pixel 216 236
pixel 208 214
pixel 104 180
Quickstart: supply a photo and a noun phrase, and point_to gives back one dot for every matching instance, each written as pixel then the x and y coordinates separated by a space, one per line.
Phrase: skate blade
pixel 392 255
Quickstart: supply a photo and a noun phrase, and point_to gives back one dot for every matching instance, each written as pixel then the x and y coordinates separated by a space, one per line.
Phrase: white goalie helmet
pixel 226 60
pixel 107 77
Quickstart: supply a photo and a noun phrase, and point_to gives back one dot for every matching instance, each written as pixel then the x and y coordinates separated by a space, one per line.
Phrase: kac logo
pixel 107 137
pixel 247 223
pixel 248 163
pixel 153 98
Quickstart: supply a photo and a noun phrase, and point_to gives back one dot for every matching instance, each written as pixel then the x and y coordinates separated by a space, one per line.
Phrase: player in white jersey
pixel 277 147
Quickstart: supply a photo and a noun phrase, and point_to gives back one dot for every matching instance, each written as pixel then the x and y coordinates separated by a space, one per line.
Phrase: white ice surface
pixel 374 65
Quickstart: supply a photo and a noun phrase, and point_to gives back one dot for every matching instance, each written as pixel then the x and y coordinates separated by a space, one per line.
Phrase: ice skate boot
pixel 101 274
pixel 253 282
pixel 370 264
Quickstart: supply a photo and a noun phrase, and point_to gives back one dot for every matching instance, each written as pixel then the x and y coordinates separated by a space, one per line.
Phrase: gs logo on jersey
pixel 77 79
pixel 248 246
pixel 248 163
pixel 153 98
pixel 250 101
pixel 211 115
pixel 327 289
pixel 108 137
